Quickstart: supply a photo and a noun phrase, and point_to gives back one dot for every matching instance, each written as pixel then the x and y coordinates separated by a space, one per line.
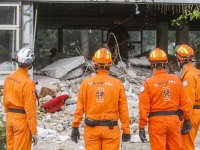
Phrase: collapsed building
pixel 71 27
pixel 75 30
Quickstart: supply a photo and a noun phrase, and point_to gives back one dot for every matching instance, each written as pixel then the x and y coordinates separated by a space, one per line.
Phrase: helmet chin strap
pixel 181 64
pixel 30 67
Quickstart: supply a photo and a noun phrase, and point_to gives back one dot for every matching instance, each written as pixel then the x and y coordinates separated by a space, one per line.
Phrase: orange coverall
pixel 19 93
pixel 102 98
pixel 191 82
pixel 163 92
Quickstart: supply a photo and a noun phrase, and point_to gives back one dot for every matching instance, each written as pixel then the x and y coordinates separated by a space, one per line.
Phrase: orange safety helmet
pixel 184 52
pixel 102 57
pixel 158 56
pixel 117 22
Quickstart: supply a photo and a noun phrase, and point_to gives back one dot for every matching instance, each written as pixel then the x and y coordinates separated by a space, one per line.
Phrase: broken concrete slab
pixel 114 71
pixel 57 73
pixel 63 65
pixel 141 62
pixel 71 101
pixel 42 132
pixel 47 126
pixel 42 79
pixel 63 138
pixel 51 132
pixel 73 74
pixel 47 98
pixel 49 89
pixel 121 64
pixel 70 109
pixel 6 66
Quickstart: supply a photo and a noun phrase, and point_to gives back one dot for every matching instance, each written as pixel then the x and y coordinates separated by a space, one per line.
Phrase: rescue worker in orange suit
pixel 160 97
pixel 103 100
pixel 191 82
pixel 20 104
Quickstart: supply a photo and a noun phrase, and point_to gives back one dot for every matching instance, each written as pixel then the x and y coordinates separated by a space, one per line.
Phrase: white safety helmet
pixel 24 57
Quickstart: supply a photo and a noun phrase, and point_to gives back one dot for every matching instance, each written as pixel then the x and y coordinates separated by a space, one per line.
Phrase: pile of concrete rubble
pixel 64 77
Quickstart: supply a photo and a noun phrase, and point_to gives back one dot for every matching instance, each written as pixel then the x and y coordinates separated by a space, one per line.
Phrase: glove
pixel 187 127
pixel 35 139
pixel 142 134
pixel 126 137
pixel 75 135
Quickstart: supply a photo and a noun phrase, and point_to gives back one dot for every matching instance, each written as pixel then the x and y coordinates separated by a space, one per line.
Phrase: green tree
pixel 195 14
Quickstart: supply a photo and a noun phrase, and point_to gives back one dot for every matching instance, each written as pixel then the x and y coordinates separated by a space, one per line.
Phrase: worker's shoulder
pixel 166 77
pixel 19 77
pixel 87 80
pixel 107 79
pixel 114 80
pixel 151 79
pixel 193 72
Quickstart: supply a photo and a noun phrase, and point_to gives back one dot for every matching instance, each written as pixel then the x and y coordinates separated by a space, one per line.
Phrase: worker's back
pixel 102 95
pixel 103 100
pixel 164 91
pixel 193 75
pixel 160 97
pixel 19 93
pixel 13 88
pixel 20 106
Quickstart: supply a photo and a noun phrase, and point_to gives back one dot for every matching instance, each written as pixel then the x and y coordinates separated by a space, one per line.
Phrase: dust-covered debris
pixel 54 129
pixel 60 121
pixel 140 62
pixel 62 67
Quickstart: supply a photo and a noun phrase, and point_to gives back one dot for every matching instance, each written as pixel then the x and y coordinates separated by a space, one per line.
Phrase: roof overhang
pixel 114 1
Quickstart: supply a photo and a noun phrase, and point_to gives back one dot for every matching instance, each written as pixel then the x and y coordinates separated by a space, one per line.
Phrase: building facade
pixel 73 25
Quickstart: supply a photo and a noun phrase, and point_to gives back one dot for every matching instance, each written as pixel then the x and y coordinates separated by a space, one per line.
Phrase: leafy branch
pixel 195 14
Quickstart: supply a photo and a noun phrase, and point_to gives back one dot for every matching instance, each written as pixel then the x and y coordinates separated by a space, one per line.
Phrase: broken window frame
pixel 13 28
pixel 49 28
pixel 16 28
pixel 134 42
pixel 142 51
pixel 174 42
pixel 196 41
pixel 17 16
pixel 90 53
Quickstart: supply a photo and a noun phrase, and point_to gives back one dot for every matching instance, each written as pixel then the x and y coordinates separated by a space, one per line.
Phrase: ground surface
pixel 49 145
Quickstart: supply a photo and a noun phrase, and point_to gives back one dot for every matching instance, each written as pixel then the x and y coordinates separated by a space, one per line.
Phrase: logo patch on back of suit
pixel 100 94
pixel 166 93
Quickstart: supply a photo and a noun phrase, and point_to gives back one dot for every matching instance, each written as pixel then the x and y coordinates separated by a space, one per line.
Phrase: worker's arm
pixel 190 91
pixel 184 106
pixel 29 100
pixel 4 97
pixel 144 105
pixel 123 110
pixel 79 107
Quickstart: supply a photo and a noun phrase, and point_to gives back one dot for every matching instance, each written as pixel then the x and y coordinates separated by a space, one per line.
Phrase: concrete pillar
pixel 182 33
pixel 60 40
pixel 85 42
pixel 162 36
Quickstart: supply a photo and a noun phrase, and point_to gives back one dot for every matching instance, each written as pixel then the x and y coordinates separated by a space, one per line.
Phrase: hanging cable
pixel 125 75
